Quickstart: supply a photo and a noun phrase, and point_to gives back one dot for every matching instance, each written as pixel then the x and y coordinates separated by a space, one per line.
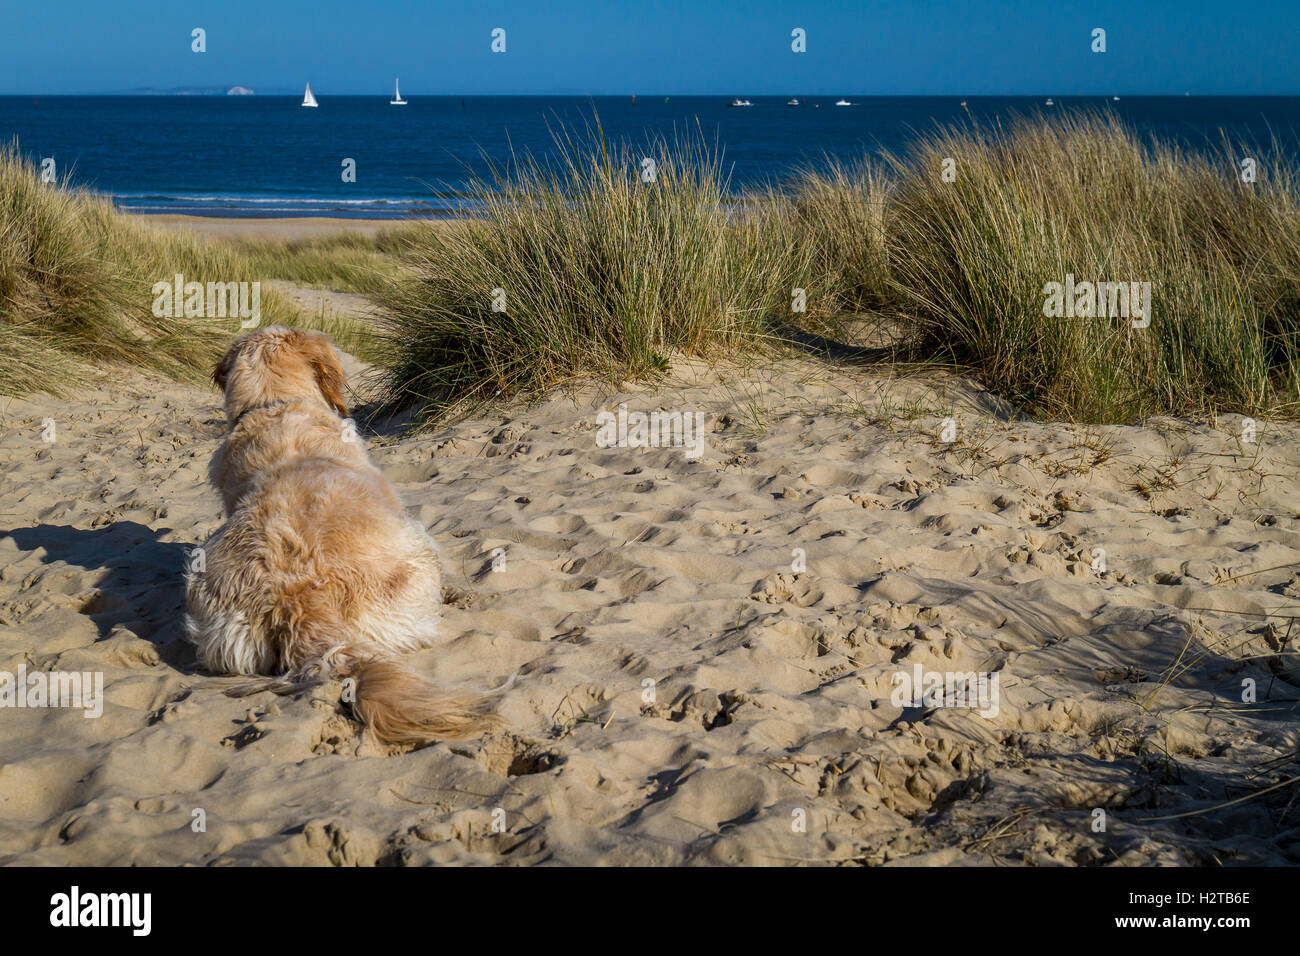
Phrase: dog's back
pixel 318 569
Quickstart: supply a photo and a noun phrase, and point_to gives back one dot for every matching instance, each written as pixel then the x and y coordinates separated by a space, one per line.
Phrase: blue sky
pixel 722 47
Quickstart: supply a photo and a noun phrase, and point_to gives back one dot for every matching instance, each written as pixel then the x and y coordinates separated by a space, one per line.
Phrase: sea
pixel 268 156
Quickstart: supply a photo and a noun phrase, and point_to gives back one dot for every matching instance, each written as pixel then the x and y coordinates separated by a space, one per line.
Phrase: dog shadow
pixel 138 579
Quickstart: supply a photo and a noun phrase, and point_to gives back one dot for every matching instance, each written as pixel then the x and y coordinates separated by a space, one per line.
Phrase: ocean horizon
pixel 267 157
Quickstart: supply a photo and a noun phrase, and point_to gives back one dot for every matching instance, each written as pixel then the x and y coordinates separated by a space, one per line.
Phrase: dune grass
pixel 346 262
pixel 604 261
pixel 606 275
pixel 59 299
pixel 586 265
pixel 838 212
pixel 76 281
pixel 1037 200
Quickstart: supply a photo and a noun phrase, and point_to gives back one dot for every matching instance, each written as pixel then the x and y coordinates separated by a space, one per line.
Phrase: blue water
pixel 267 156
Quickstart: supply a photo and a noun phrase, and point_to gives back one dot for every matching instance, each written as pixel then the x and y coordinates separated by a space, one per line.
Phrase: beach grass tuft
pixel 1083 196
pixel 606 260
pixel 76 280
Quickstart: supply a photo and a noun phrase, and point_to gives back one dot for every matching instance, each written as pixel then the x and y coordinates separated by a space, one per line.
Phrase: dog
pixel 318 571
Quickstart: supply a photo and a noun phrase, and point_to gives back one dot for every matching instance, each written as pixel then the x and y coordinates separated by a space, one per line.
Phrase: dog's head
pixel 276 363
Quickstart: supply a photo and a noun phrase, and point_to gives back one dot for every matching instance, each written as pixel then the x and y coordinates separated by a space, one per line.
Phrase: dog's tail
pixel 401 707
pixel 393 701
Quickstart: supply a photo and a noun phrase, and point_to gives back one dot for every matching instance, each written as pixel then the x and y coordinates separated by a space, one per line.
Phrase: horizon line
pixel 179 93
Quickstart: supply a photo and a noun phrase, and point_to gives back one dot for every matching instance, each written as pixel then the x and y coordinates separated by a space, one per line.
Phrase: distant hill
pixel 190 91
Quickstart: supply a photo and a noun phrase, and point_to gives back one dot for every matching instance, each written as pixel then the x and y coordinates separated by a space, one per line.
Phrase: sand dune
pixel 688 691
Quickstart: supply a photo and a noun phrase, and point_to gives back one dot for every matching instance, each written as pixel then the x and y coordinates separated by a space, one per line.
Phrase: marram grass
pixel 597 263
pixel 602 273
pixel 1036 201
pixel 76 283
pixel 585 266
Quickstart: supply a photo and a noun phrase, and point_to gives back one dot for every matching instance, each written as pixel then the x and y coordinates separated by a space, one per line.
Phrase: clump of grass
pixel 594 270
pixel 1036 200
pixel 839 212
pixel 76 283
pixel 58 297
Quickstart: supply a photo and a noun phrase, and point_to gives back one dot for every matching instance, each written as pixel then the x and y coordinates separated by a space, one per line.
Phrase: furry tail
pixel 401 707
pixel 393 701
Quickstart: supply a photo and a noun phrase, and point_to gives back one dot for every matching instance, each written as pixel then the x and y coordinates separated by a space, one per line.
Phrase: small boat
pixel 1049 102
pixel 1115 98
pixel 740 103
pixel 843 103
pixel 397 96
pixel 793 102
pixel 963 104
pixel 307 98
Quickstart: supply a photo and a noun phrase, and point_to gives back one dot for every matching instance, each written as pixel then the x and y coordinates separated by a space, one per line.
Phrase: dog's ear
pixel 222 371
pixel 329 373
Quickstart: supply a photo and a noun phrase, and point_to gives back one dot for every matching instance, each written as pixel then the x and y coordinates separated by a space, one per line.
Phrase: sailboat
pixel 307 98
pixel 397 96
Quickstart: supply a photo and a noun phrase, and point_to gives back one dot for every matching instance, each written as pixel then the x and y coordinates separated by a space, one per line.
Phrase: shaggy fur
pixel 318 571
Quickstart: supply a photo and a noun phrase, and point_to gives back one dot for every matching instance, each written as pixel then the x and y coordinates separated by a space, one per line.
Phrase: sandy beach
pixel 305 227
pixel 706 649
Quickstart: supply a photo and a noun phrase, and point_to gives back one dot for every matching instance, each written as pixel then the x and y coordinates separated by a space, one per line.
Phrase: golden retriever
pixel 318 571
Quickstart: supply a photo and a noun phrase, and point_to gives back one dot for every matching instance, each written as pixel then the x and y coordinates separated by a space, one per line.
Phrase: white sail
pixel 307 98
pixel 397 95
